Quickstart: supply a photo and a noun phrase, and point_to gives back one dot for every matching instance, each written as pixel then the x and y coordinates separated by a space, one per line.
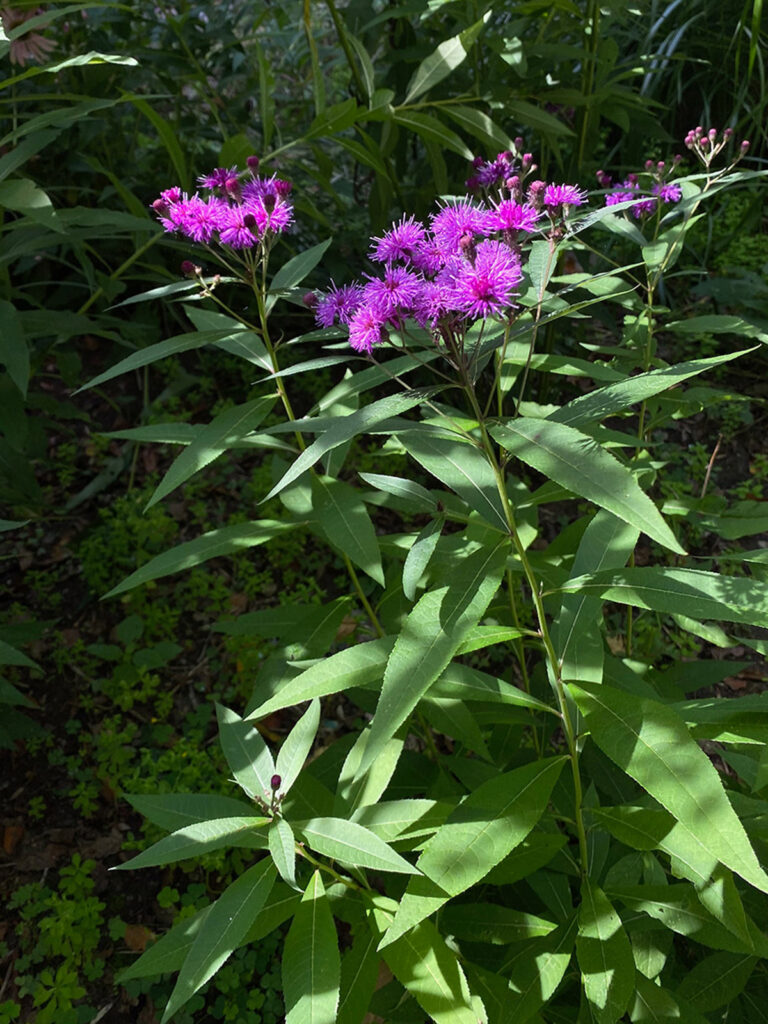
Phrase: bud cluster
pixel 706 145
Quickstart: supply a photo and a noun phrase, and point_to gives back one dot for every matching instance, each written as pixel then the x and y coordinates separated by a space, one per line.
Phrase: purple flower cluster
pixel 647 199
pixel 463 267
pixel 235 213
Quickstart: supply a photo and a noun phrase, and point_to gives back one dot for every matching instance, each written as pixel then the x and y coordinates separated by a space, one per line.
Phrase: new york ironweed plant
pixel 527 828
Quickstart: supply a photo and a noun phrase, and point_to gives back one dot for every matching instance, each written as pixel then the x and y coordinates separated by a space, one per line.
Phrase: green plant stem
pixel 429 739
pixel 344 42
pixel 361 595
pixel 554 663
pixel 302 851
pixel 520 652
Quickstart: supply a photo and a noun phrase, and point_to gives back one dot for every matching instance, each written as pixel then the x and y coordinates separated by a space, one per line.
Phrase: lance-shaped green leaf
pixel 442 61
pixel 11 656
pixel 311 626
pixel 433 631
pixel 359 973
pixel 651 744
pixel 419 555
pixel 536 969
pixel 240 341
pixel 295 270
pixel 296 747
pixel 14 350
pixel 282 846
pixel 353 844
pixel 614 398
pixel 460 466
pixel 355 790
pixel 417 497
pixel 604 955
pixel 345 429
pixel 356 666
pixel 161 350
pixel 410 818
pixel 430 971
pixel 679 909
pixel 173 811
pixel 716 980
pixel 311 961
pixel 606 543
pixel 341 514
pixel 698 594
pixel 193 840
pixel 477 836
pixel 247 754
pixel 432 129
pixel 169 952
pixel 226 541
pixel 226 924
pixel 578 463
pixel 489 922
pixel 653 1003
pixel 220 434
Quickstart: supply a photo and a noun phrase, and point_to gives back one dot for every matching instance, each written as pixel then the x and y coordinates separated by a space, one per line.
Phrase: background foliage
pixel 371 110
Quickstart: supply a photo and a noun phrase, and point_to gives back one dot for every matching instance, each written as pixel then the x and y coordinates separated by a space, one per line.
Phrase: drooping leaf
pixel 716 980
pixel 477 836
pixel 433 631
pixel 347 428
pixel 173 811
pixel 169 952
pixel 311 961
pixel 606 543
pixel 355 666
pixel 225 925
pixel 221 433
pixel 698 594
pixel 651 744
pixel 345 522
pixel 442 61
pixel 604 955
pixel 536 970
pixel 578 463
pixel 460 466
pixel 359 972
pixel 226 541
pixel 489 922
pixel 295 270
pixel 430 971
pixel 200 838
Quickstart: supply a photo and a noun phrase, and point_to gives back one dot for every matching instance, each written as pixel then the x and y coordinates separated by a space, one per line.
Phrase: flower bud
pixel 250 221
pixel 310 300
pixel 283 188
pixel 275 782
pixel 189 269
pixel 478 162
pixel 649 165
pixel 160 207
pixel 252 163
pixel 728 133
pixel 745 145
pixel 270 202
pixel 712 133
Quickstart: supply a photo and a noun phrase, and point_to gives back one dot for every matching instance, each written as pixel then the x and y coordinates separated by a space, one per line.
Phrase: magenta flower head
pixel 507 215
pixel 668 192
pixel 338 305
pixel 485 287
pixel 454 221
pixel 558 196
pixel 239 228
pixel 397 292
pixel 366 329
pixel 218 178
pixel 400 243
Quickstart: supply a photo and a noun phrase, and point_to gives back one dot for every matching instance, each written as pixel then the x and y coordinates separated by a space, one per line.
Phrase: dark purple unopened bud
pixel 728 133
pixel 269 203
pixel 704 142
pixel 310 300
pixel 250 221
pixel 603 179
pixel 677 158
pixel 472 184
pixel 189 269
pixel 649 165
pixel 660 165
pixel 283 188
pixel 698 131
pixel 252 163
pixel 275 782
pixel 478 162
pixel 712 133
pixel 519 143
pixel 232 187
pixel 160 207
pixel 745 145
pixel 527 161
pixel 632 178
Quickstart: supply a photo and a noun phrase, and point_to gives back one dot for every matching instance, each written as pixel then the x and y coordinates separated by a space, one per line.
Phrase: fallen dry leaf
pixel 12 837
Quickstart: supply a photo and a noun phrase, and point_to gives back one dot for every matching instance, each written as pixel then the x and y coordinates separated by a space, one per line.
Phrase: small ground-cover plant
pixel 549 841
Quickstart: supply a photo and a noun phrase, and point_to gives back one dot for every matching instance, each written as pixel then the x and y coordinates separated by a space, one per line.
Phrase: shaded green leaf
pixel 247 754
pixel 604 955
pixel 311 961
